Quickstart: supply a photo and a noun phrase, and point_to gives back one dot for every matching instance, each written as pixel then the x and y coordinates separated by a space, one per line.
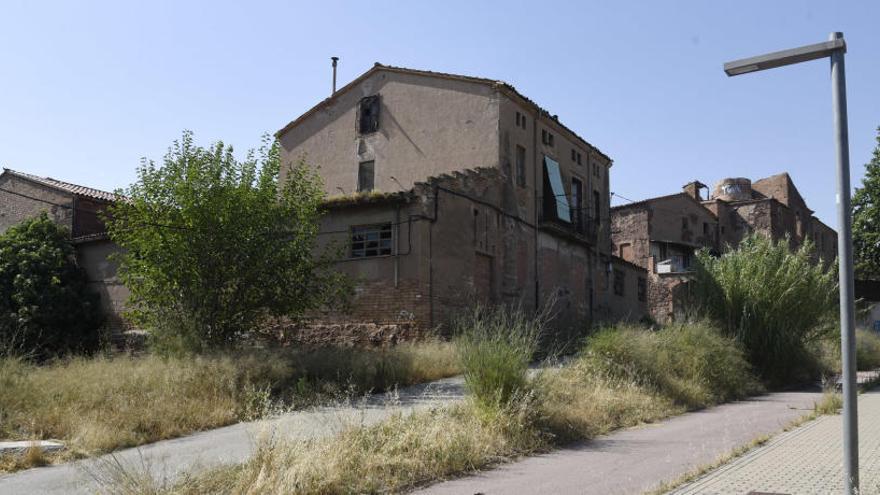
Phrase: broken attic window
pixel 369 114
pixel 555 201
pixel 366 176
pixel 371 240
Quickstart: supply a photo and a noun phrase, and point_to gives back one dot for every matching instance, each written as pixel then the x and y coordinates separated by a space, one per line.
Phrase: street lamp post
pixel 834 48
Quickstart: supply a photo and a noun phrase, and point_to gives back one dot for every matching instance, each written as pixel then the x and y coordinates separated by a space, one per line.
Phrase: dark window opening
pixel 544 136
pixel 597 208
pixel 684 223
pixel 368 120
pixel 705 228
pixel 577 202
pixel 371 240
pixel 518 117
pixel 619 282
pixel 579 161
pixel 550 138
pixel 573 155
pixel 520 166
pixel 643 289
pixel 366 176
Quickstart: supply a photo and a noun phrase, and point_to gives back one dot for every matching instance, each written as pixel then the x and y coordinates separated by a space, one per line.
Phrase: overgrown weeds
pixel 623 377
pixel 98 405
pixel 692 364
pixel 495 347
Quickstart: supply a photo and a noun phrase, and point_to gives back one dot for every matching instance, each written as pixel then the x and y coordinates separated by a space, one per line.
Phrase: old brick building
pixel 661 234
pixel 78 209
pixel 449 189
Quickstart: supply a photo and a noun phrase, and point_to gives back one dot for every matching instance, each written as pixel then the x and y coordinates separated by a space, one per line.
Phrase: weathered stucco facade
pixel 478 194
pixel 78 209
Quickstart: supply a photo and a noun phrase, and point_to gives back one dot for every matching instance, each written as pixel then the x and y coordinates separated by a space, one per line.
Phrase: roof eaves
pixel 443 75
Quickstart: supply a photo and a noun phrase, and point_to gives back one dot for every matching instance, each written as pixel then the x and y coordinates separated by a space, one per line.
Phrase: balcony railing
pixel 581 225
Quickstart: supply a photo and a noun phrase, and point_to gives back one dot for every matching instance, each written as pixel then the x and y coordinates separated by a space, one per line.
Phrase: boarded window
pixel 368 120
pixel 520 166
pixel 619 282
pixel 366 176
pixel 555 200
pixel 626 251
pixel 371 240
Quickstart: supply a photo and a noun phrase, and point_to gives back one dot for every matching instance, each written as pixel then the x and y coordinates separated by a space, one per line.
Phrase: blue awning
pixel 563 210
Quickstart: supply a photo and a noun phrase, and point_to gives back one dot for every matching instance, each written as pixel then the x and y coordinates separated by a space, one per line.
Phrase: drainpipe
pixel 535 196
pixel 396 245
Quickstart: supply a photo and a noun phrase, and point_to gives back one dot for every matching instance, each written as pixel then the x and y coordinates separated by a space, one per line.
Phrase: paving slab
pixel 168 459
pixel 806 460
pixel 636 460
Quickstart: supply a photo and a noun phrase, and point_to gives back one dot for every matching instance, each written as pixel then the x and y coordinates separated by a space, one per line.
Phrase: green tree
pixel 866 220
pixel 46 307
pixel 214 246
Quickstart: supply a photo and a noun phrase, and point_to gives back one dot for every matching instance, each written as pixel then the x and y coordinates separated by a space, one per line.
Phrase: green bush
pixel 46 308
pixel 691 363
pixel 776 302
pixel 867 350
pixel 495 347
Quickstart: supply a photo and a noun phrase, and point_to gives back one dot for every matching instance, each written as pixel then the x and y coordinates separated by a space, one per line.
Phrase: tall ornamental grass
pixel 775 301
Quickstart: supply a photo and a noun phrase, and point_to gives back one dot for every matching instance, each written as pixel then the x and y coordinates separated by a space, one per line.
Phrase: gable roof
pixel 501 85
pixel 64 186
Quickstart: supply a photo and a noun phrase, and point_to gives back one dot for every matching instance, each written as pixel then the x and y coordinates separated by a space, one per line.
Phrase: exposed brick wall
pixel 21 199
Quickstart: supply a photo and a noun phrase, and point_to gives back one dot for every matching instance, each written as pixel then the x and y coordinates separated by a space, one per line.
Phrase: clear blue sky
pixel 88 88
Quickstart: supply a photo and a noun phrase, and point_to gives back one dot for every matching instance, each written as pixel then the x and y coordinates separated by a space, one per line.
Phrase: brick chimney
pixel 693 189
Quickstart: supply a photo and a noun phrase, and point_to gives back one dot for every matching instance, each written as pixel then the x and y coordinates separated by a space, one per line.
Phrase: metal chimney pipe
pixel 334 59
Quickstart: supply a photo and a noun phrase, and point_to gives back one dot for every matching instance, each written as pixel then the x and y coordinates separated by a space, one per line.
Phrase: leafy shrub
pixel 773 300
pixel 692 363
pixel 215 245
pixel 495 347
pixel 46 307
pixel 867 350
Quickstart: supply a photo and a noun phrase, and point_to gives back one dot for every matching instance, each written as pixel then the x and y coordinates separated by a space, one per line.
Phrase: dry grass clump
pixel 404 451
pixel 579 402
pixel 101 404
pixel 692 364
pixel 495 347
pixel 830 403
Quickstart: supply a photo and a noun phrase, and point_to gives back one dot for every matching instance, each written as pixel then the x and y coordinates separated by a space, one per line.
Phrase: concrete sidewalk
pixel 233 444
pixel 808 459
pixel 636 460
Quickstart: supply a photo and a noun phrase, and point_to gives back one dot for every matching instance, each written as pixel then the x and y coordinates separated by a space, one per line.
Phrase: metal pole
pixel 335 60
pixel 844 248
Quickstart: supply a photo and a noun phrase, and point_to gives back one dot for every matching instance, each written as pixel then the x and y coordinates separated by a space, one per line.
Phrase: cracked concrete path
pixel 636 460
pixel 228 445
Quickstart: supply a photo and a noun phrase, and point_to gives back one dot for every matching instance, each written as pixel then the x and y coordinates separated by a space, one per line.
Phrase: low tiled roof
pixel 443 75
pixel 65 186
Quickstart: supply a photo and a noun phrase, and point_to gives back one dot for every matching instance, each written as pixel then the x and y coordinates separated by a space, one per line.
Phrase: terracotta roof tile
pixel 65 186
